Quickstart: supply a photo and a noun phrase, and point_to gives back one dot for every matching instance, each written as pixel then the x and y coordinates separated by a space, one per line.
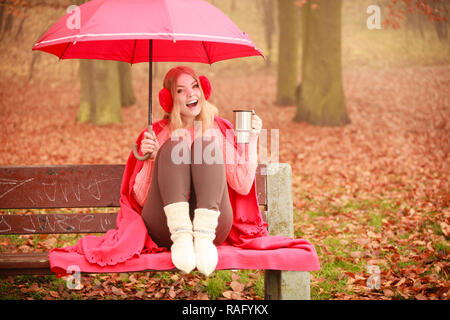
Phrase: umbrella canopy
pixel 181 30
pixel 145 31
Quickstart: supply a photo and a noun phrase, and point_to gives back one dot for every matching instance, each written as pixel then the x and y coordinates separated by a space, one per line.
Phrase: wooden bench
pixel 98 186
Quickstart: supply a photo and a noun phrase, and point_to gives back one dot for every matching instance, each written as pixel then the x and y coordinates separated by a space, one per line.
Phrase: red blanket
pixel 130 248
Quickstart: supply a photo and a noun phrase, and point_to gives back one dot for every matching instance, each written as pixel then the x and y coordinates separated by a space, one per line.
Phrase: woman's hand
pixel 149 144
pixel 256 124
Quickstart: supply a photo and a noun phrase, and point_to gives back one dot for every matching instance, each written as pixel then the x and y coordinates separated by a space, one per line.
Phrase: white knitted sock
pixel 205 223
pixel 180 226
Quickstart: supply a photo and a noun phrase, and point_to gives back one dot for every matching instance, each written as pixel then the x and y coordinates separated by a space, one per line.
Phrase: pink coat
pixel 129 247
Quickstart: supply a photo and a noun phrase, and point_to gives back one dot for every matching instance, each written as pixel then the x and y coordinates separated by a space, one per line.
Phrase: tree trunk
pixel 2 11
pixel 7 25
pixel 288 51
pixel 100 97
pixel 19 30
pixel 105 86
pixel 441 27
pixel 268 19
pixel 320 97
pixel 100 100
pixel 126 88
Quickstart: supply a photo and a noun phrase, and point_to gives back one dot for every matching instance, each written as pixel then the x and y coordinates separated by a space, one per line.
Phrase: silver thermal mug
pixel 243 125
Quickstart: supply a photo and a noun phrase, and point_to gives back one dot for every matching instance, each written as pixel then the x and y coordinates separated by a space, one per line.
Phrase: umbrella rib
pixel 65 49
pixel 76 37
pixel 206 51
pixel 134 49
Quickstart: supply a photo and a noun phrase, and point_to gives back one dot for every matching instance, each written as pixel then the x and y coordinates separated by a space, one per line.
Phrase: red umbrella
pixel 147 30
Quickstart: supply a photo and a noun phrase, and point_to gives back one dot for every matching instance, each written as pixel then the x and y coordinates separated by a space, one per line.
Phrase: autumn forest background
pixel 370 168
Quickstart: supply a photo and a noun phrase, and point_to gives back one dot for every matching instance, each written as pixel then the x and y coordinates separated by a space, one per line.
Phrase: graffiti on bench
pixel 58 192
pixel 57 223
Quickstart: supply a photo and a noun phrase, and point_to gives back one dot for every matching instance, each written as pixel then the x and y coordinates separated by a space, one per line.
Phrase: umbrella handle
pixel 137 156
pixel 135 150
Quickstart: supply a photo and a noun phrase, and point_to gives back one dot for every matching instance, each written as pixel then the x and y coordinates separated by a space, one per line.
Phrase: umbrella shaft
pixel 150 76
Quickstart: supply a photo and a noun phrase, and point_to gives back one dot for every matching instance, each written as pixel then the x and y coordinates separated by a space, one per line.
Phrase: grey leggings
pixel 201 184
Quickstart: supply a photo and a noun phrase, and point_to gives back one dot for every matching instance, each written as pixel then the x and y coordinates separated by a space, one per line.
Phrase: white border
pixel 74 37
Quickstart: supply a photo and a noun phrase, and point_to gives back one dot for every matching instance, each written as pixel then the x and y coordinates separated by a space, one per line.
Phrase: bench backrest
pixel 69 186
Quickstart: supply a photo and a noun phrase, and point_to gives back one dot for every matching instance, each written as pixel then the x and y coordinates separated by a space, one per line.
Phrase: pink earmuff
pixel 165 97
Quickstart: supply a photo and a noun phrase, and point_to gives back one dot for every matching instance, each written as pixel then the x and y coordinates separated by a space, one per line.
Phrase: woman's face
pixel 188 94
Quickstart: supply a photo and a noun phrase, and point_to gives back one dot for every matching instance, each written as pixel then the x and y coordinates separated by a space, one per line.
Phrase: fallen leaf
pixel 117 291
pixel 445 228
pixel 172 293
pixel 160 294
pixel 202 296
pixel 227 294
pixel 25 248
pixel 50 243
pixel 373 234
pixel 350 274
pixel 402 280
pixel 388 292
pixel 237 286
pixel 132 278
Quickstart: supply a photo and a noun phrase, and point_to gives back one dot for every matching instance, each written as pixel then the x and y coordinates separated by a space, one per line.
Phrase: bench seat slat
pixel 24 263
pixel 57 223
pixel 31 264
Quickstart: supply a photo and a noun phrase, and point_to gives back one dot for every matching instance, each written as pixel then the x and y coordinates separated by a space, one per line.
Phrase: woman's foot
pixel 205 223
pixel 180 226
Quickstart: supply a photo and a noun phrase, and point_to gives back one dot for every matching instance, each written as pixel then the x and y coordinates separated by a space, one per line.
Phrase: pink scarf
pixel 129 247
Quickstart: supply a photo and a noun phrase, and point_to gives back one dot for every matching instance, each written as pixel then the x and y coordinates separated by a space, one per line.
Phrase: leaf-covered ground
pixel 371 196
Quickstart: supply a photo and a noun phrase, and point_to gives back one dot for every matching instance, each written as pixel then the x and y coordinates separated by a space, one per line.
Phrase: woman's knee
pixel 205 150
pixel 175 150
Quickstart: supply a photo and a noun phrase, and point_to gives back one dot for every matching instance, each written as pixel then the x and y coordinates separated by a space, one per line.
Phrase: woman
pixel 183 187
pixel 179 199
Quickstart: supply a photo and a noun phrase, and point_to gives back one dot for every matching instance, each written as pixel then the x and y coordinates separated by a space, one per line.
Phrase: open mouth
pixel 192 104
